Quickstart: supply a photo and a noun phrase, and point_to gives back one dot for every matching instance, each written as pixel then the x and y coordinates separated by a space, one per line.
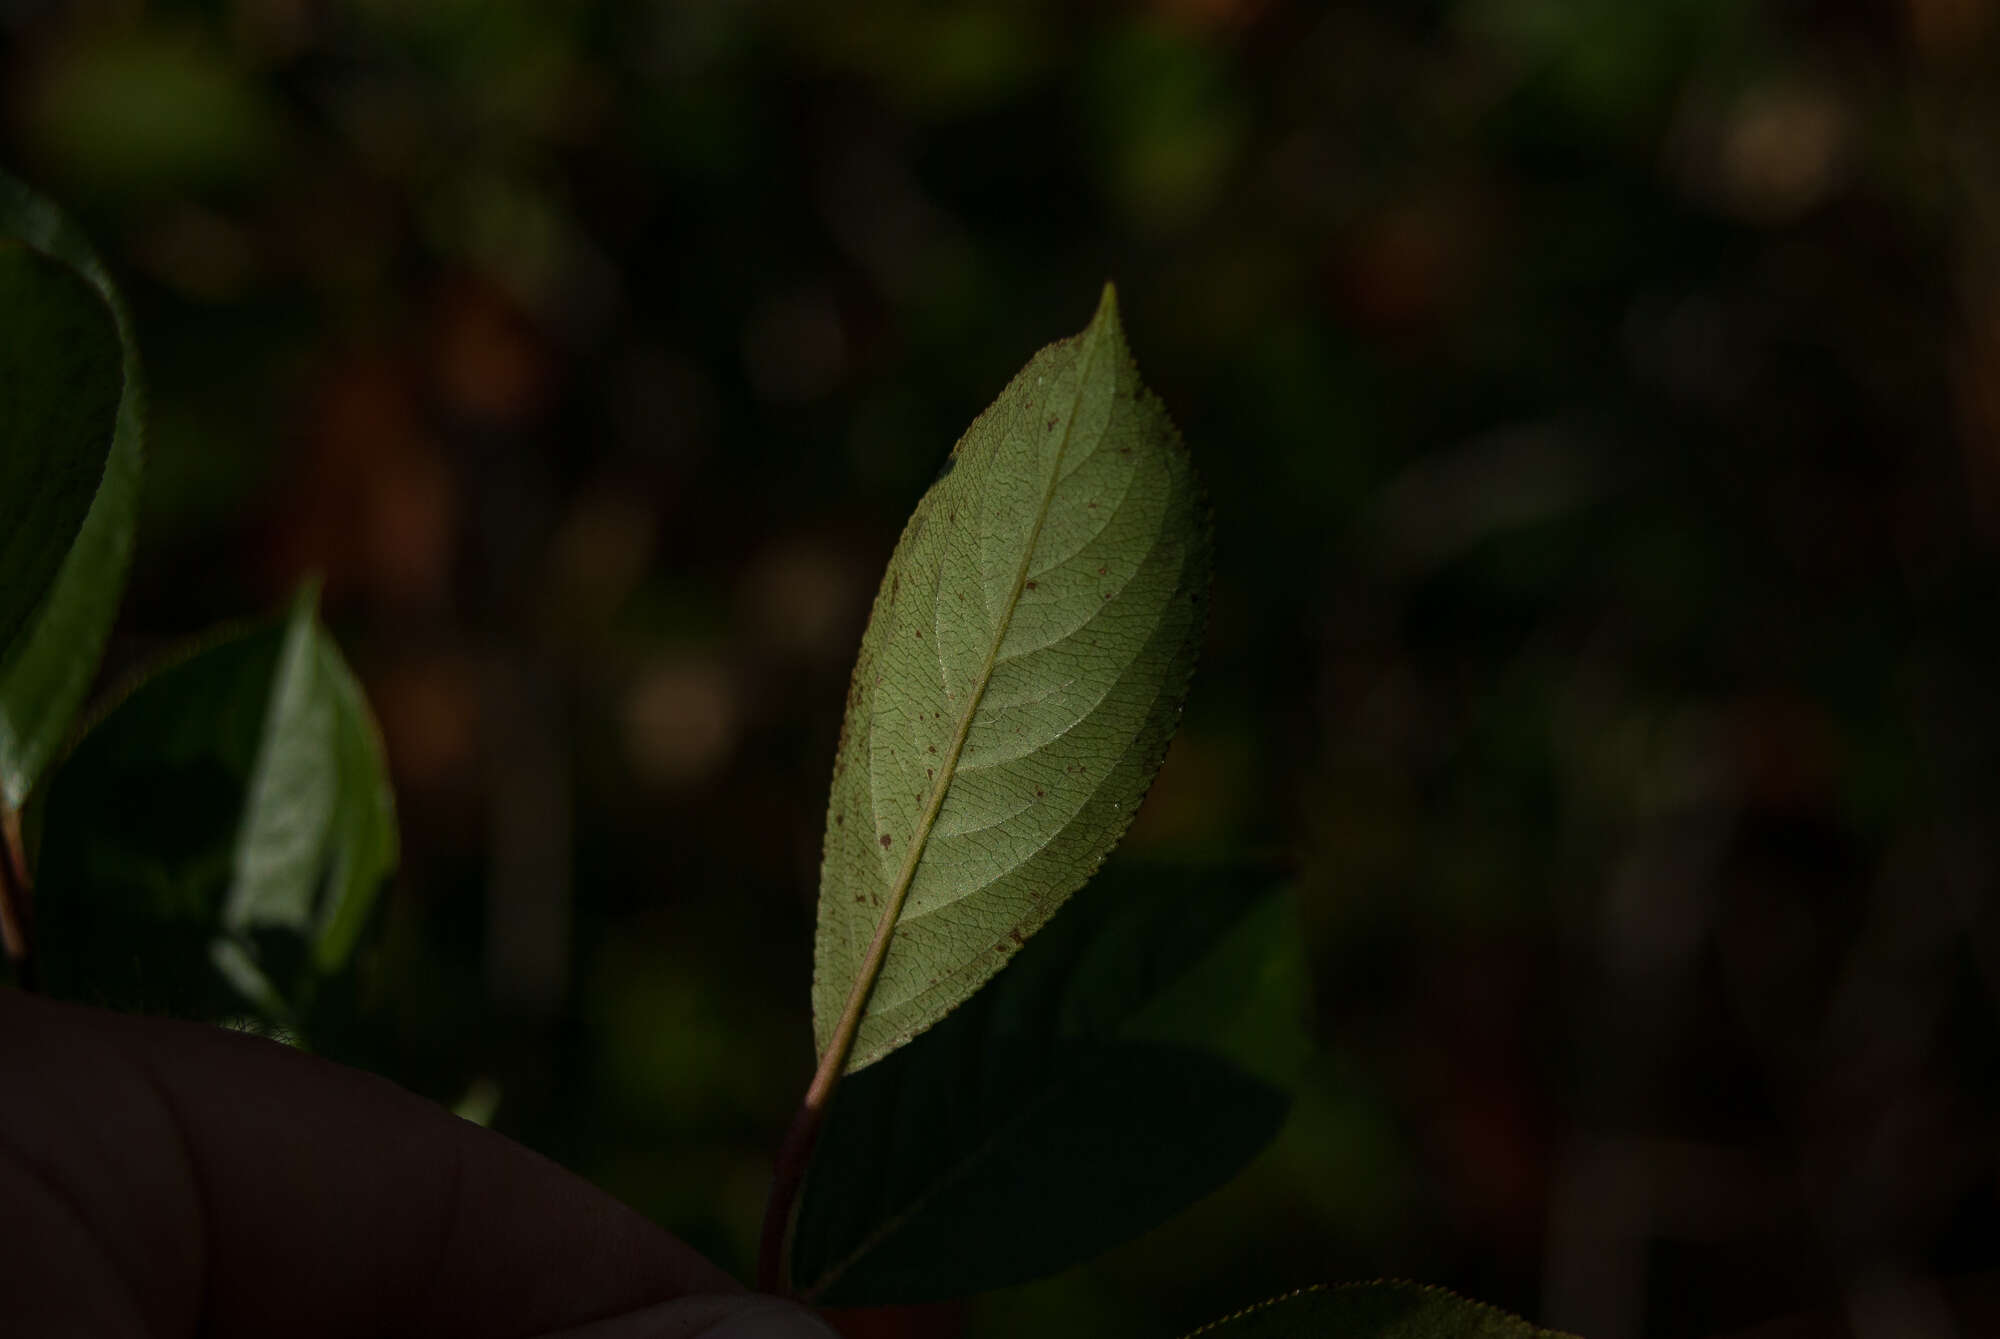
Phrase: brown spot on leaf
pixel 1015 935
pixel 885 841
pixel 1031 585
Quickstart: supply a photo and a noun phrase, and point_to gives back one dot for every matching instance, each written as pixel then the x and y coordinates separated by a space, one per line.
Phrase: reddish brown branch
pixel 794 1155
pixel 17 912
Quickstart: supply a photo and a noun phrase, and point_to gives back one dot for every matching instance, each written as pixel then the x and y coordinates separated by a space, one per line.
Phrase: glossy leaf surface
pixel 49 662
pixel 1022 673
pixel 59 382
pixel 1131 1059
pixel 213 845
pixel 1373 1311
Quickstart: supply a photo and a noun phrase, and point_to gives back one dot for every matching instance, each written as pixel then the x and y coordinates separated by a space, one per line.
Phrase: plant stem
pixel 17 918
pixel 795 1154
pixel 793 1157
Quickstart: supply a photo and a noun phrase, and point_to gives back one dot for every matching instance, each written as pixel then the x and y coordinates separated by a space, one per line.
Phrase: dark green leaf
pixel 1128 1061
pixel 59 383
pixel 49 664
pixel 1373 1311
pixel 213 845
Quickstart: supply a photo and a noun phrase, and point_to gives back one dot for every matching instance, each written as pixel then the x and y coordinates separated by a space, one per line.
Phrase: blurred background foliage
pixel 1601 407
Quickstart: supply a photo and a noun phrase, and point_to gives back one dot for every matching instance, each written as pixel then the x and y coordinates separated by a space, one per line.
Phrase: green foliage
pixel 69 538
pixel 1598 403
pixel 213 845
pixel 1129 1060
pixel 140 111
pixel 1022 672
pixel 58 404
pixel 1373 1311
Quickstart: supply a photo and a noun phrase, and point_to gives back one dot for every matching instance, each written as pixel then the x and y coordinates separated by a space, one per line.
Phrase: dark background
pixel 1600 401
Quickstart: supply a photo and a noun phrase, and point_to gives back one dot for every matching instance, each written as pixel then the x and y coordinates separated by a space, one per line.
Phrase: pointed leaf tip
pixel 1106 331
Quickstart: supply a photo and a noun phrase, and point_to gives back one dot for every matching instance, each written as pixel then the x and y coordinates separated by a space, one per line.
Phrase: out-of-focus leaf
pixel 1130 1060
pixel 1166 121
pixel 59 384
pixel 48 666
pixel 158 110
pixel 1020 678
pixel 1373 1311
pixel 363 843
pixel 217 840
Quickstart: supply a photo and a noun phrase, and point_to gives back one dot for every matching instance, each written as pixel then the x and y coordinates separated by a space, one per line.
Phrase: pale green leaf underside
pixel 49 667
pixel 1021 675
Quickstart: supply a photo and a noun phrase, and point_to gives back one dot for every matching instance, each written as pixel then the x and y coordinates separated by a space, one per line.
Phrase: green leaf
pixel 1131 1059
pixel 213 846
pixel 59 385
pixel 363 844
pixel 1373 1311
pixel 1022 673
pixel 49 664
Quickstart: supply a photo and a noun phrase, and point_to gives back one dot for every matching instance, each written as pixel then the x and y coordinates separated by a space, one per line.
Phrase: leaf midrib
pixel 878 946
